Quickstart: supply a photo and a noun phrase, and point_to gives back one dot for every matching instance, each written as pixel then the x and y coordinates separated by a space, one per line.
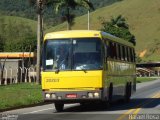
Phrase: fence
pixel 19 75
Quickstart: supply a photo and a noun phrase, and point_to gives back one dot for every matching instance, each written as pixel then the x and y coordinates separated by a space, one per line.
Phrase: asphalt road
pixel 144 105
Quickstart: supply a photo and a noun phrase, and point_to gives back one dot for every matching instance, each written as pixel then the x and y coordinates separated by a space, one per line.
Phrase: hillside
pixel 18 20
pixel 15 30
pixel 143 18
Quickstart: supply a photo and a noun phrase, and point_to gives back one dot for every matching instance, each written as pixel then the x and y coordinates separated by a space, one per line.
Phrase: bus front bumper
pixel 72 96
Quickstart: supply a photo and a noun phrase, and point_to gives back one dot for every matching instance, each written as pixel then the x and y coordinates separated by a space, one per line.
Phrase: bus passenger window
pixel 127 53
pixel 116 50
pixel 131 55
pixel 134 54
pixel 123 52
pixel 109 50
pixel 113 50
pixel 105 47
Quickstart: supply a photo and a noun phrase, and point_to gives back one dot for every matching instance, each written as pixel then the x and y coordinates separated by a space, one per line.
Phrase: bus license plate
pixel 71 95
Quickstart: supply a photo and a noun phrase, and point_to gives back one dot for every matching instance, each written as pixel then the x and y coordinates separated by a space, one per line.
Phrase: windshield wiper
pixel 85 71
pixel 57 71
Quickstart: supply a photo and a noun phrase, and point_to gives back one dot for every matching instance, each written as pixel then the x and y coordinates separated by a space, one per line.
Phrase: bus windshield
pixel 73 54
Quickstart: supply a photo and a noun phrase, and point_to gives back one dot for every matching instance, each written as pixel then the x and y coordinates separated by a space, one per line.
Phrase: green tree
pixel 68 5
pixel 119 21
pixel 1 44
pixel 117 26
pixel 2 32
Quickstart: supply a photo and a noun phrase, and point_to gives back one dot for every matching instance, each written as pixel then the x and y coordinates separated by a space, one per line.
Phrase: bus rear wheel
pixel 128 92
pixel 110 94
pixel 59 106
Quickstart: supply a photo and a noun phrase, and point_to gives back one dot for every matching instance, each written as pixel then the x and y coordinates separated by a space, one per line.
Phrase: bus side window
pixel 123 53
pixel 116 50
pixel 113 50
pixel 109 50
pixel 131 55
pixel 119 51
pixel 134 54
pixel 126 55
pixel 127 50
pixel 106 48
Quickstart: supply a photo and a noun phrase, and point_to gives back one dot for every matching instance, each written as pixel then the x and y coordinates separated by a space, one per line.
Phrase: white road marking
pixel 38 111
pixel 52 108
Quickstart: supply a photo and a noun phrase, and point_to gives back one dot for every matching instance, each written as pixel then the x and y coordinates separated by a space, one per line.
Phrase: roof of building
pixel 17 54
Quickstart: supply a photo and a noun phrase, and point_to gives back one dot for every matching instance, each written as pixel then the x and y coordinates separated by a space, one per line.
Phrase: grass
pixel 142 16
pixel 20 95
pixel 145 79
pixel 17 20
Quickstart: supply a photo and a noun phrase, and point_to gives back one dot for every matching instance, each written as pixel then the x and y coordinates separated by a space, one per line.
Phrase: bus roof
pixel 85 33
pixel 73 34
pixel 116 39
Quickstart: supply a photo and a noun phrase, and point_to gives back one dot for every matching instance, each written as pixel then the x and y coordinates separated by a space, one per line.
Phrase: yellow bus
pixel 81 66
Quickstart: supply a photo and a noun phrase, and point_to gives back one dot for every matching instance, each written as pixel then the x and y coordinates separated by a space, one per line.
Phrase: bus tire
pixel 110 94
pixel 130 89
pixel 108 100
pixel 59 106
pixel 128 92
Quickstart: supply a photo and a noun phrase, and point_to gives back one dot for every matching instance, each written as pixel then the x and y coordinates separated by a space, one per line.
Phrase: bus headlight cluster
pixel 93 95
pixel 47 95
pixel 52 96
pixel 59 97
pixel 90 95
pixel 96 95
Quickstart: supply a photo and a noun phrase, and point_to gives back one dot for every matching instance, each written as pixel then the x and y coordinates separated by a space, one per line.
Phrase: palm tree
pixel 40 4
pixel 119 21
pixel 71 4
pixel 39 40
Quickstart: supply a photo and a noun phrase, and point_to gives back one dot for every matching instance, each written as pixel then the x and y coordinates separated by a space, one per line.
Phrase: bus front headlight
pixel 47 95
pixel 53 96
pixel 96 95
pixel 90 95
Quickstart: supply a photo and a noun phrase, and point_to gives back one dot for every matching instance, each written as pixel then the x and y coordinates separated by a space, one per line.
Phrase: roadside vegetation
pixel 17 95
pixel 119 27
pixel 145 79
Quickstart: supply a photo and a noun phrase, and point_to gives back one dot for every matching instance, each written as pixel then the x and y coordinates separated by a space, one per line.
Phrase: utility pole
pixel 39 39
pixel 88 19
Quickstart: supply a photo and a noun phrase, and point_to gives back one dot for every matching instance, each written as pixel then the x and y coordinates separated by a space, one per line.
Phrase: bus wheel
pixel 59 106
pixel 110 93
pixel 108 102
pixel 128 92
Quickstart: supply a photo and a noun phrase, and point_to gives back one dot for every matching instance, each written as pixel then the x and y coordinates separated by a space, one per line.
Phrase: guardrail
pixel 19 75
